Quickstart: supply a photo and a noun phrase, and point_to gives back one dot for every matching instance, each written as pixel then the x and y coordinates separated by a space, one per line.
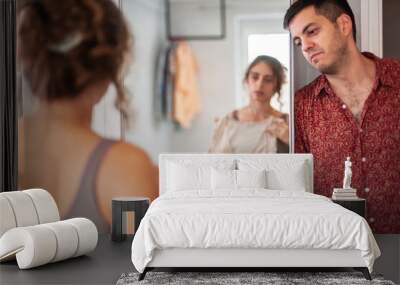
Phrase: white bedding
pixel 251 218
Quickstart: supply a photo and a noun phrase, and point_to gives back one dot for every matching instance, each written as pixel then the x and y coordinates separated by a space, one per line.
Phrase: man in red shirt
pixel 352 109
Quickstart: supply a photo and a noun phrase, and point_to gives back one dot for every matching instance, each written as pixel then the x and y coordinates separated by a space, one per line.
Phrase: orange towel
pixel 186 100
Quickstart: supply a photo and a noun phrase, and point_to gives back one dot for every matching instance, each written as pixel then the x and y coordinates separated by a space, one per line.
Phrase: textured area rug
pixel 273 278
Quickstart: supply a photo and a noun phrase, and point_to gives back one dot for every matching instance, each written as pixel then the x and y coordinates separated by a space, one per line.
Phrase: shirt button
pixel 361 130
pixel 363 159
pixel 344 106
pixel 371 220
pixel 366 189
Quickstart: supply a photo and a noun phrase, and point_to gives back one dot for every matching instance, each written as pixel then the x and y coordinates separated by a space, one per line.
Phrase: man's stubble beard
pixel 339 59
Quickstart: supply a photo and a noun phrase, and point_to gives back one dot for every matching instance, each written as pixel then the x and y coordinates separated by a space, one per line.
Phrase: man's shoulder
pixel 391 71
pixel 308 91
pixel 391 62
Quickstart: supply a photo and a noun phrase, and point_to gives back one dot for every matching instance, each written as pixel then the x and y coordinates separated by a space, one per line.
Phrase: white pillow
pixel 223 179
pixel 181 177
pixel 193 173
pixel 251 178
pixel 290 179
pixel 236 179
pixel 282 174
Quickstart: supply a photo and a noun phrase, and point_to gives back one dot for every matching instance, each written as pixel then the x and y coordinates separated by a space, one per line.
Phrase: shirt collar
pixel 383 73
pixel 323 83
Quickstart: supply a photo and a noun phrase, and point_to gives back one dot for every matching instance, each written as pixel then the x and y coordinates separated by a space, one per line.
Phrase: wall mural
pixel 83 86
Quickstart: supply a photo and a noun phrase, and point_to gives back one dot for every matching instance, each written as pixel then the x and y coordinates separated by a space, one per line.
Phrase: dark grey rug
pixel 269 278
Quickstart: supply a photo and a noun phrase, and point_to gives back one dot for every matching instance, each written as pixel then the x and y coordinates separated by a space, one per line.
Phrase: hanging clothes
pixel 186 100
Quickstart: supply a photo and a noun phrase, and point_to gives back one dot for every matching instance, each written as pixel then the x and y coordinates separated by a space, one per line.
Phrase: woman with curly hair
pixel 70 52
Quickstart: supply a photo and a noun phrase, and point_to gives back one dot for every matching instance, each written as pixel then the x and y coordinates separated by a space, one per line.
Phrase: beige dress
pixel 234 136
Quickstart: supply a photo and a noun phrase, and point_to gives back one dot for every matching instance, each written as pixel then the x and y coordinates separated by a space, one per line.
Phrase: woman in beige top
pixel 70 52
pixel 257 127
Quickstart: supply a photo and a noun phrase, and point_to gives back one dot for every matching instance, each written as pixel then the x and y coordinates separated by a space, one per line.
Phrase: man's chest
pixel 331 122
pixel 355 101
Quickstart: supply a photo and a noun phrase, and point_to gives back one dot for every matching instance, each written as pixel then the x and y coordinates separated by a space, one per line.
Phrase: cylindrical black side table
pixel 139 205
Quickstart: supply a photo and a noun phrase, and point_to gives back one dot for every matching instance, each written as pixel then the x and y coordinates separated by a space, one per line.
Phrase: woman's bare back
pixel 55 155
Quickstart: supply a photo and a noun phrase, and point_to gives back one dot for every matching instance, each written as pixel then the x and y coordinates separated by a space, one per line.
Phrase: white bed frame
pixel 250 258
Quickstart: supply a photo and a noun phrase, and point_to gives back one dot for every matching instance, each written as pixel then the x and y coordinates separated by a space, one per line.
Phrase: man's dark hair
pixel 330 9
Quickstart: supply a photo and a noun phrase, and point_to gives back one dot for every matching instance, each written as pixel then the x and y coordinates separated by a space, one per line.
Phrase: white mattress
pixel 252 218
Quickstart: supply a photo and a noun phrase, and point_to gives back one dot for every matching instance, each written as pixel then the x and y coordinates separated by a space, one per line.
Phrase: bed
pixel 247 210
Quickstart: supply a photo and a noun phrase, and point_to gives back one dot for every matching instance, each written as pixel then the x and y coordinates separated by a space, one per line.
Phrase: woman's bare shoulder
pixel 128 153
pixel 130 163
pixel 128 170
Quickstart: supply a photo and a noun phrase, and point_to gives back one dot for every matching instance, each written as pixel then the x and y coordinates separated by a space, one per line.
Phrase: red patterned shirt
pixel 325 127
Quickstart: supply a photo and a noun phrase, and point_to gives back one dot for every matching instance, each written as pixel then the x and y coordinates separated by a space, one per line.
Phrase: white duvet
pixel 250 219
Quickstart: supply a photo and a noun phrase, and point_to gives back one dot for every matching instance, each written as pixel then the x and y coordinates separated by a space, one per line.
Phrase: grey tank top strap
pixel 85 204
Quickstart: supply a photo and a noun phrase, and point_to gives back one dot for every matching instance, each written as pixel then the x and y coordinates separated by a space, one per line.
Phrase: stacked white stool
pixel 31 230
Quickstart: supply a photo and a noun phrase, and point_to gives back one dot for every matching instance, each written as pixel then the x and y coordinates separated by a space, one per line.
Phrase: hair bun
pixel 67 45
